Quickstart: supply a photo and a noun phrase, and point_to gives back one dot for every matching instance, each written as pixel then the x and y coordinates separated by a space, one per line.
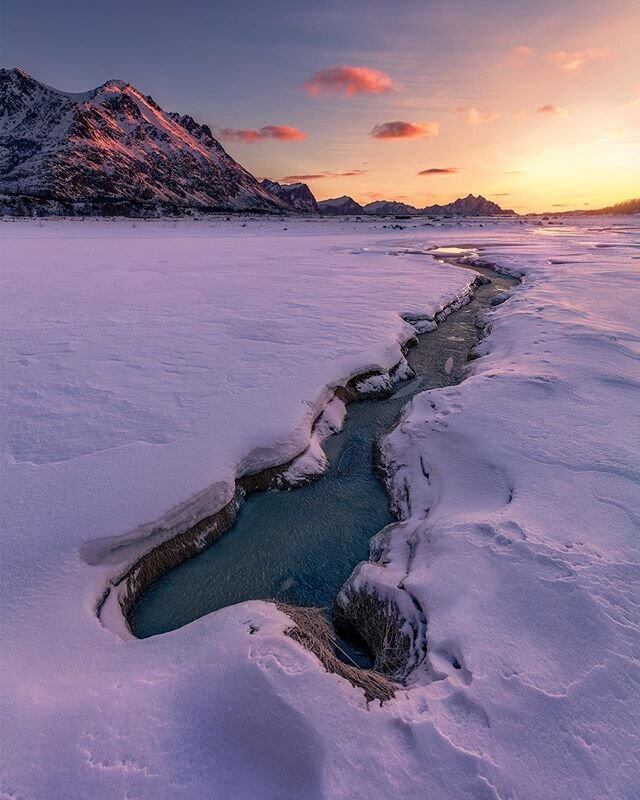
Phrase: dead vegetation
pixel 313 631
pixel 172 552
pixel 380 624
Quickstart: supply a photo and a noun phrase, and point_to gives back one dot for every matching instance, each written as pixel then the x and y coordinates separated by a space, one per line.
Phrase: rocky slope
pixel 112 150
pixel 298 196
pixel 337 206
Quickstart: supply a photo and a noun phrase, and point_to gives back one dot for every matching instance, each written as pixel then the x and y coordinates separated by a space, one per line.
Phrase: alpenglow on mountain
pixel 112 150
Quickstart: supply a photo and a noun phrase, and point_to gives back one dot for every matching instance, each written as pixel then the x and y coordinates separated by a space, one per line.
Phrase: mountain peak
pixel 114 83
pixel 298 196
pixel 16 72
pixel 16 77
pixel 112 150
pixel 337 206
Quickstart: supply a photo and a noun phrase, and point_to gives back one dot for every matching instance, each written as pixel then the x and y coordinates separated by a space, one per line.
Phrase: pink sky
pixel 537 104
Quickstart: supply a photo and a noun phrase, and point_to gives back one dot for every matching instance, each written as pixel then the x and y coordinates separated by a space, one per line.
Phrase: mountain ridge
pixel 469 206
pixel 339 206
pixel 298 196
pixel 112 150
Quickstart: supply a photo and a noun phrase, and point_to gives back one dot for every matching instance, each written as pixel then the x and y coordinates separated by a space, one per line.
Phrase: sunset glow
pixel 538 105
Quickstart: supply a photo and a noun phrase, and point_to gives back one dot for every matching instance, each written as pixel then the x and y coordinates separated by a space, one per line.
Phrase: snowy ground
pixel 145 365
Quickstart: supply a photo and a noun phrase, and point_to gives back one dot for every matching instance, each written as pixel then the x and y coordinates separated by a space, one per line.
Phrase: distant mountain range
pixel 469 206
pixel 112 150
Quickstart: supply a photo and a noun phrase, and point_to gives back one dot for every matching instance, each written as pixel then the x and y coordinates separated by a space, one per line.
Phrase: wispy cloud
pixel 552 111
pixel 348 81
pixel 573 61
pixel 501 194
pixel 282 133
pixel 400 129
pixel 475 117
pixel 354 173
pixel 524 51
pixel 439 171
pixel 621 130
pixel 515 172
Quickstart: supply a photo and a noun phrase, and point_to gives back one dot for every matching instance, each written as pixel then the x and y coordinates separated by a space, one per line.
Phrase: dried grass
pixel 379 623
pixel 312 630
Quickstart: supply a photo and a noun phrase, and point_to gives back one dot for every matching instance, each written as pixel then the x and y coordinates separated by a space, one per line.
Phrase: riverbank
pixel 523 563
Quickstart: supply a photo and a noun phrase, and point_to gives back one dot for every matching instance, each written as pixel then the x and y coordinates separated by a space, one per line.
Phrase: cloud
pixel 501 194
pixel 559 205
pixel 405 130
pixel 573 61
pixel 515 172
pixel 621 130
pixel 354 173
pixel 474 117
pixel 552 111
pixel 439 171
pixel 281 133
pixel 523 51
pixel 348 81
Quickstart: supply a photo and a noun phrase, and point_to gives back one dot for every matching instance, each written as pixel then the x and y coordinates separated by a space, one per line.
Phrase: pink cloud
pixel 405 130
pixel 348 81
pixel 573 61
pixel 552 111
pixel 439 171
pixel 282 133
pixel 523 51
pixel 474 117
pixel 355 173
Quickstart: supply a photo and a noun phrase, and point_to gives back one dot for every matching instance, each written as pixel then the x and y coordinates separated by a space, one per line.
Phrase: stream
pixel 300 546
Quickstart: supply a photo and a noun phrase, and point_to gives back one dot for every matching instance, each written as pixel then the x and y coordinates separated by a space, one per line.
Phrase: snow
pixel 78 140
pixel 146 365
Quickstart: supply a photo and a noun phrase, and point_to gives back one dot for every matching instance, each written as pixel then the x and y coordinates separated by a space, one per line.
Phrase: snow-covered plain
pixel 146 365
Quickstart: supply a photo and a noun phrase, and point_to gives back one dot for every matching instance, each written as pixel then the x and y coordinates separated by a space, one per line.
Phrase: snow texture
pixel 146 365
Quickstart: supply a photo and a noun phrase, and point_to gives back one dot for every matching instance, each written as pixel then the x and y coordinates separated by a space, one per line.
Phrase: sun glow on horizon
pixel 536 106
pixel 536 125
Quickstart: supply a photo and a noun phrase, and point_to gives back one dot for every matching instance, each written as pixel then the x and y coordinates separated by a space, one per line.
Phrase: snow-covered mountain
pixel 112 150
pixel 389 207
pixel 338 206
pixel 298 196
pixel 469 206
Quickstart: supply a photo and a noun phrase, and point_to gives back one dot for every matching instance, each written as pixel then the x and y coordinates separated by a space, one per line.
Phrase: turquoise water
pixel 300 546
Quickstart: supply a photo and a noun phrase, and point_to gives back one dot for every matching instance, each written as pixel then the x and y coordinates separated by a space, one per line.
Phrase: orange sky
pixel 542 120
pixel 536 105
